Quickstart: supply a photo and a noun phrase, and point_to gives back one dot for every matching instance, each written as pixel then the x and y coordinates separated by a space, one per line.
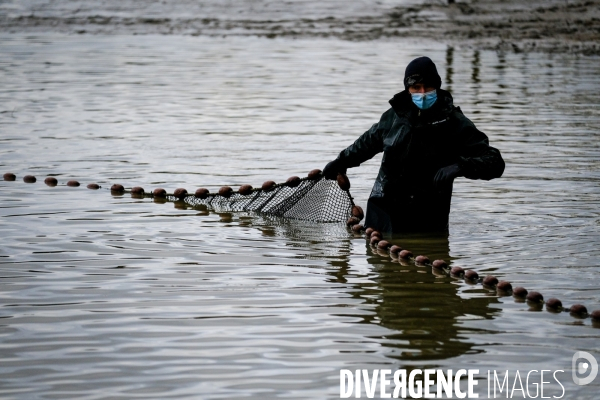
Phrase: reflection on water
pixel 112 296
pixel 422 308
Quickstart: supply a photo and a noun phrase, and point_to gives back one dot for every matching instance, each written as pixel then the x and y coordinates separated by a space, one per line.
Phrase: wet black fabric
pixel 415 145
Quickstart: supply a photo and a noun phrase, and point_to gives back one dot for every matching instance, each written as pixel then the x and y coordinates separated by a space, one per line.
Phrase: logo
pixel 580 368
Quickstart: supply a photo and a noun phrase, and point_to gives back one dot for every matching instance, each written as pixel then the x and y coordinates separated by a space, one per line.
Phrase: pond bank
pixel 546 26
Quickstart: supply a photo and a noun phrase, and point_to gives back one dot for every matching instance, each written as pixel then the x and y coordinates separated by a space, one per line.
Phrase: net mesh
pixel 319 200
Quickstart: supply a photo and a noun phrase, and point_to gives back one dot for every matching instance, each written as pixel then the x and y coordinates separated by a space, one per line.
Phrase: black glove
pixel 332 169
pixel 445 176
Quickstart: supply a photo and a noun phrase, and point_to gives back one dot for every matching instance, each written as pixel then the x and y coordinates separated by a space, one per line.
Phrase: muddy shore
pixel 549 25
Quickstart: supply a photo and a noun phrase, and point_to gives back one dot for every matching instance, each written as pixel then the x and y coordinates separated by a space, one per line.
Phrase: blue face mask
pixel 424 100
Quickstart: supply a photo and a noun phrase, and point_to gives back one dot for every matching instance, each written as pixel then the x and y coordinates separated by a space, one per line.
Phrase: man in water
pixel 426 142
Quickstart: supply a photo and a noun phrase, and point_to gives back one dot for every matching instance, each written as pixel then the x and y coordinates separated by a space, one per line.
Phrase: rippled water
pixel 107 296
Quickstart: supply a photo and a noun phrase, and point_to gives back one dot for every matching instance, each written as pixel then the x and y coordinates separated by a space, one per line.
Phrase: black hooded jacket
pixel 416 144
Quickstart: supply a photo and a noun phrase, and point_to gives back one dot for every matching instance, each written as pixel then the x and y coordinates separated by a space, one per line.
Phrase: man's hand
pixel 445 176
pixel 332 169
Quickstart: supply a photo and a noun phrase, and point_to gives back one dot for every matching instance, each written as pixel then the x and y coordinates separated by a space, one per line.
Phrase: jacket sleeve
pixel 366 146
pixel 477 159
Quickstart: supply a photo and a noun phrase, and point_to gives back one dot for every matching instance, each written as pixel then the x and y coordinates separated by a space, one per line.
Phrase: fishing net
pixel 313 198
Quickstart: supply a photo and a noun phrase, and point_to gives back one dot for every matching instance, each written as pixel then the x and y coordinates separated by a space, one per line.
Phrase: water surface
pixel 107 296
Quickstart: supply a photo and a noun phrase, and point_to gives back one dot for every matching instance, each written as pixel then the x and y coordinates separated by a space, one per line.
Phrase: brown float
pixel 51 181
pixel 343 182
pixel 9 176
pixel 405 254
pixel 180 193
pixel 268 186
pixel 422 260
pixel 534 297
pixel 225 191
pixel 504 287
pixel 201 193
pixel 245 190
pixel 315 174
pixel 553 304
pixel 395 249
pixel 578 310
pixel 117 188
pixel 352 221
pixel 159 192
pixel 471 275
pixel 384 245
pixel 358 212
pixel 520 292
pixel 357 228
pixel 293 181
pixel 490 281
